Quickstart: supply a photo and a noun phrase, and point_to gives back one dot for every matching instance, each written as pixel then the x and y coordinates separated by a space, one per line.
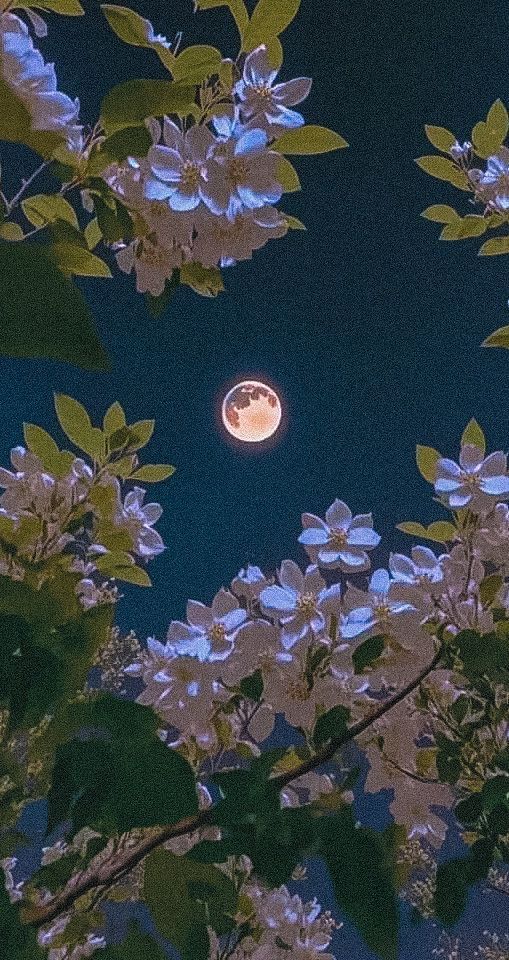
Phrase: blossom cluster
pixel 207 194
pixel 34 82
pixel 73 515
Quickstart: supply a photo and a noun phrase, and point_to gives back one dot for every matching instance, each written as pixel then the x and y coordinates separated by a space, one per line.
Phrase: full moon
pixel 251 411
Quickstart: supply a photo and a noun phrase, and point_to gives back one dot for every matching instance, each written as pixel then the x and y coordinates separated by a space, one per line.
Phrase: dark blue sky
pixel 369 325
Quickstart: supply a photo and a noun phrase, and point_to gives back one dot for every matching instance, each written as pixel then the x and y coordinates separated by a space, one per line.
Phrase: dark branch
pixel 124 861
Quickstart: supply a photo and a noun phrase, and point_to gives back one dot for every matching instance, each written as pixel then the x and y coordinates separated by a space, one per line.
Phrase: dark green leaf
pixel 361 865
pixel 455 877
pixel 183 897
pixel 43 313
pixel 136 946
pixel 331 724
pixel 252 686
pixel 367 652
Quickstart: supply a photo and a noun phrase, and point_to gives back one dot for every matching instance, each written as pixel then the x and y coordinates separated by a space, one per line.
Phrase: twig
pixel 24 186
pixel 124 861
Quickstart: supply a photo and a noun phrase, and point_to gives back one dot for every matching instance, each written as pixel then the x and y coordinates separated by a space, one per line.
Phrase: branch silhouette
pixel 104 874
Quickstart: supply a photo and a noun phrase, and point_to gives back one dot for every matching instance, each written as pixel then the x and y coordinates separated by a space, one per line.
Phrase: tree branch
pixel 124 861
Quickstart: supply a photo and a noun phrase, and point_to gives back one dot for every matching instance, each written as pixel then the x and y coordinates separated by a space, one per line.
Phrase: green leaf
pixel 427 459
pixel 360 862
pixel 197 63
pixel 268 20
pixel 488 136
pixel 46 208
pixel 440 137
pixel 128 25
pixel 132 574
pixel 483 656
pixel 43 313
pixel 153 473
pixel 448 760
pixel 103 783
pixel 252 686
pixel 465 227
pixel 444 169
pixel 92 234
pixel 158 305
pixel 140 433
pixel 68 8
pixel 440 213
pixel 207 281
pixel 75 422
pixel 114 418
pixel 47 643
pixel 294 223
pixel 195 895
pixel 127 142
pixel 494 247
pixel 499 338
pixel 75 260
pixel 309 139
pixel 287 176
pixel 128 104
pixel 367 652
pixel 16 125
pixel 474 436
pixel 456 876
pixel 331 724
pixel 136 946
pixel 43 445
pixel 489 589
pixel 11 231
pixel 19 941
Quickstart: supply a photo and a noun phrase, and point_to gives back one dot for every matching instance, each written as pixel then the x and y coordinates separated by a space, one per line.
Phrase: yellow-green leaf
pixel 427 459
pixel 92 234
pixel 114 418
pixel 441 531
pixel 287 176
pixel 309 139
pixel 499 338
pixel 153 473
pixel 197 63
pixel 134 574
pixel 444 169
pixel 77 261
pixel 488 136
pixel 440 213
pixel 142 430
pixel 465 227
pixel 440 137
pixel 207 281
pixel 46 208
pixel 42 444
pixel 68 8
pixel 11 231
pixel 75 422
pixel 293 222
pixel 474 436
pixel 269 19
pixel 130 26
pixel 494 247
pixel 129 104
pixel 275 54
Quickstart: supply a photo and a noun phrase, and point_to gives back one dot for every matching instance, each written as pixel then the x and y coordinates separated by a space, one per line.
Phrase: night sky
pixel 367 324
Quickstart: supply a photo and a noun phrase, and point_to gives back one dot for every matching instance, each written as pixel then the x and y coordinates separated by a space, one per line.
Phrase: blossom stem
pixel 25 185
pixel 124 861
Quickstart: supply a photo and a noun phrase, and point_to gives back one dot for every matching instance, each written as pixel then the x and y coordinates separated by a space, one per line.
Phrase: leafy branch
pixel 124 861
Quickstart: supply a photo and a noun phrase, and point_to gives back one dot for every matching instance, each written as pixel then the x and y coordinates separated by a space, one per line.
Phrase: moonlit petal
pixel 292 92
pixel 290 575
pixel 470 457
pixel 198 614
pixel 314 536
pixel 363 537
pixel 380 581
pixel 277 599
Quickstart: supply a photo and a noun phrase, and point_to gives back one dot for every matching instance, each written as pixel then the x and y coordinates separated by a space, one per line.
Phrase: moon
pixel 251 411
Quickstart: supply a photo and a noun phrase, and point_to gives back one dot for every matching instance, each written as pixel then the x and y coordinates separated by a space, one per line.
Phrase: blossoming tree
pixel 177 180
pixel 162 780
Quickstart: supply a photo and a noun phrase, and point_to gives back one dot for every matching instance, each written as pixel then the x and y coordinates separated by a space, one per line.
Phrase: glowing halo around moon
pixel 251 411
